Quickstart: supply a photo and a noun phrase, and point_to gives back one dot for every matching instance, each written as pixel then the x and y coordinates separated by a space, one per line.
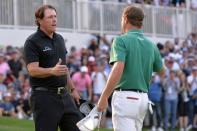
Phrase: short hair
pixel 134 15
pixel 39 13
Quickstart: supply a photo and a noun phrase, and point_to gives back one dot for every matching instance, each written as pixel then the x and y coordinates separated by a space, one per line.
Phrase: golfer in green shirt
pixel 134 58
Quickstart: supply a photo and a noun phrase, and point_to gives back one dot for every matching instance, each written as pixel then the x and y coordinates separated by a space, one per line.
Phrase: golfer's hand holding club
pixel 91 121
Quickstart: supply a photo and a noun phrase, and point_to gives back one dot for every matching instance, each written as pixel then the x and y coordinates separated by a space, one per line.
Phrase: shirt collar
pixel 42 34
pixel 138 31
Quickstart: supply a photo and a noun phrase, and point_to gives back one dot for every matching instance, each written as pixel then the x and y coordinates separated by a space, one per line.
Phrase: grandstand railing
pixel 98 17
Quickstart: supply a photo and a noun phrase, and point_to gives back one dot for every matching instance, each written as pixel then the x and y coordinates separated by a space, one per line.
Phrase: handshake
pixel 91 120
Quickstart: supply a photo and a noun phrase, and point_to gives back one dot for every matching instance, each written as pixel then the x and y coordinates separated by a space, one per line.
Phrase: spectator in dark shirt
pixel 15 63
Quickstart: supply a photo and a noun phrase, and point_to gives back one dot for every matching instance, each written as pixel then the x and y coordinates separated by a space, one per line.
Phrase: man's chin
pixel 53 29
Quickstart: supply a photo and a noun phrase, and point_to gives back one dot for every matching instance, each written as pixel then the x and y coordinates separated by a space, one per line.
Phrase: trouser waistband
pixel 57 90
pixel 134 90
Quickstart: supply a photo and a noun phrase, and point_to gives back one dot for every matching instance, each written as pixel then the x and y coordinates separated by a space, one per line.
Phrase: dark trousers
pixel 51 111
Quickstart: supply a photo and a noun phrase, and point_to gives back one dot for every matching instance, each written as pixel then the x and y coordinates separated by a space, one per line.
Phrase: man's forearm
pixel 161 73
pixel 40 72
pixel 114 78
pixel 36 71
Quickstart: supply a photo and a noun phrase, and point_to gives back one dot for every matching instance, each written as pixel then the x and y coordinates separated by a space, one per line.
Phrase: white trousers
pixel 128 110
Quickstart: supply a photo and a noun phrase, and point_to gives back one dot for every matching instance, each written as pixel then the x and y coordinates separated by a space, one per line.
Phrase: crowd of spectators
pixel 169 3
pixel 173 3
pixel 176 94
pixel 14 84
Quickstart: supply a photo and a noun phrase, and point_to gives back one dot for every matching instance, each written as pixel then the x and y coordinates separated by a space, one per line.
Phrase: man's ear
pixel 38 20
pixel 126 20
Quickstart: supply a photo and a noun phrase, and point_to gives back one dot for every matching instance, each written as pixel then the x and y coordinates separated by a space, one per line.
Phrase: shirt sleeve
pixel 158 64
pixel 118 51
pixel 31 52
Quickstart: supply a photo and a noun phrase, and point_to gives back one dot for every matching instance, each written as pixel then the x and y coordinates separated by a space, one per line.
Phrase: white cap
pixel 84 69
pixel 91 59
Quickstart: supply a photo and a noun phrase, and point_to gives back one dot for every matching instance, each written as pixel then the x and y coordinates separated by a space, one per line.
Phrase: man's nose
pixel 54 19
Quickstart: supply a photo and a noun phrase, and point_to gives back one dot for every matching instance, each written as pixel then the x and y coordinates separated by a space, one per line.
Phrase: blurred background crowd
pixel 170 3
pixel 174 97
pixel 176 94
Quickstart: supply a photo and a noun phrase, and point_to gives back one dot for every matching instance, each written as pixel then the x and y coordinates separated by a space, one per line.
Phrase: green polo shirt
pixel 141 58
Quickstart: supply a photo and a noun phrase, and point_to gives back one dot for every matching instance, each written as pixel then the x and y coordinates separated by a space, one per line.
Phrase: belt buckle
pixel 59 90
